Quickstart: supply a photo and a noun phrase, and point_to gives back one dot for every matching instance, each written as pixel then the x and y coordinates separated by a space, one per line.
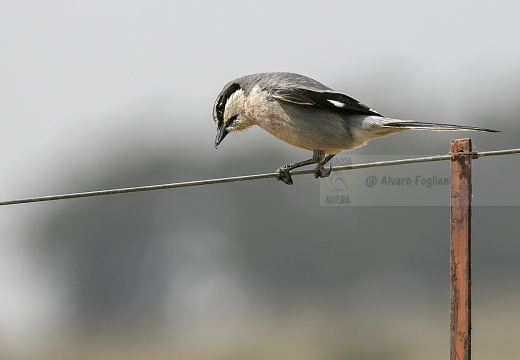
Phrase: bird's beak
pixel 221 134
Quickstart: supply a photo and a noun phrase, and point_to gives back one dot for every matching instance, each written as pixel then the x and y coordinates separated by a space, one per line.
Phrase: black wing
pixel 325 98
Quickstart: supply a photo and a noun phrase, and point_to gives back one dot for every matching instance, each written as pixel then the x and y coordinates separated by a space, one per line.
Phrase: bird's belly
pixel 307 127
pixel 312 136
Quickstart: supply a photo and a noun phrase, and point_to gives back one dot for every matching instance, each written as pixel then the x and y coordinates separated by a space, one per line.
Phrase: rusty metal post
pixel 460 249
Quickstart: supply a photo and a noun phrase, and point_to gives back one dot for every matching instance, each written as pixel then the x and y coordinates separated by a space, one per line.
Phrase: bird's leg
pixel 283 171
pixel 318 157
pixel 320 171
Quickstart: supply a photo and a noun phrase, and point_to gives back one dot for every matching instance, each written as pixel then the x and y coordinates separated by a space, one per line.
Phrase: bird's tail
pixel 415 125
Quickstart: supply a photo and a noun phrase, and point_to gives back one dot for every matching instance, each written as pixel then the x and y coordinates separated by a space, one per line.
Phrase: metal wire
pixel 245 178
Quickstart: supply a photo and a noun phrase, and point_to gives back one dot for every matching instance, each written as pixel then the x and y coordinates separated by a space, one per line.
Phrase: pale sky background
pixel 85 85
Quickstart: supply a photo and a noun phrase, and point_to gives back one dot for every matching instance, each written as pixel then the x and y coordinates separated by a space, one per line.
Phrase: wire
pixel 245 178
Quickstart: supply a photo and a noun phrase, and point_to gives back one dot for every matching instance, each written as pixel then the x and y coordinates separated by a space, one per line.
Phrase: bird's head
pixel 229 111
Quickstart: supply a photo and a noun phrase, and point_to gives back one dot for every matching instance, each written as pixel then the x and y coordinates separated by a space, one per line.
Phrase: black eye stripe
pixel 221 104
pixel 227 94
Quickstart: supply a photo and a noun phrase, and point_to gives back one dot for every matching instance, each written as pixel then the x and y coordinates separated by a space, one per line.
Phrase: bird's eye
pixel 220 106
pixel 233 120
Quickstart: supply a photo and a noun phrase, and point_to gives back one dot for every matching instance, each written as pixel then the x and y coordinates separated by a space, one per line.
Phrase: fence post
pixel 460 250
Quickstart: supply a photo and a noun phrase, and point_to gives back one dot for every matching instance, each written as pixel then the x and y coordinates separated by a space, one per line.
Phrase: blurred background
pixel 97 95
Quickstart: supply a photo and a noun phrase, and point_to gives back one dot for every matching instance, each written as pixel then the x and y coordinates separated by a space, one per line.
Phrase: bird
pixel 307 114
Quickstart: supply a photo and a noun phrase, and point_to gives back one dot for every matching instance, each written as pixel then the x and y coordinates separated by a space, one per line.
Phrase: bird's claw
pixel 320 172
pixel 284 175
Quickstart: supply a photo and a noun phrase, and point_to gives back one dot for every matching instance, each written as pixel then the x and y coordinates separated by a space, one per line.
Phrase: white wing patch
pixel 336 103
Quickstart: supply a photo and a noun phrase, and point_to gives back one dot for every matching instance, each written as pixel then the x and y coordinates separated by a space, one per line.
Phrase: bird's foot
pixel 320 171
pixel 284 175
